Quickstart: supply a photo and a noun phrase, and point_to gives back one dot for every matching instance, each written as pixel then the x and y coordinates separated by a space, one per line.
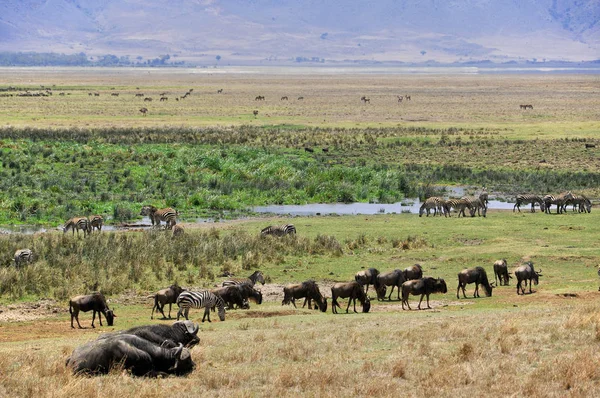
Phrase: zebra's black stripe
pixel 203 299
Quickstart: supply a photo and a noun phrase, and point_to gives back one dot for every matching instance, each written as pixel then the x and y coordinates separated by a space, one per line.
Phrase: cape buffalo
pixel 424 287
pixel 181 332
pixel 475 275
pixel 136 354
pixel 95 302
pixel 524 273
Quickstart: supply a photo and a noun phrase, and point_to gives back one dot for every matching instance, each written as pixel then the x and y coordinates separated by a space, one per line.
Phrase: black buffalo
pixel 181 332
pixel 136 354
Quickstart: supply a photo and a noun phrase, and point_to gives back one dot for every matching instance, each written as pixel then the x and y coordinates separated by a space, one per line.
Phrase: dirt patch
pixel 23 312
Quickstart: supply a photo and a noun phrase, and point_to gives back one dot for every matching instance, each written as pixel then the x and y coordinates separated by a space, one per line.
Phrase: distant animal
pixel 96 94
pixel 434 202
pixel 115 94
pixel 178 230
pixel 257 276
pixel 367 277
pixel 558 200
pixel 326 149
pixel 255 112
pixel 590 146
pixel 424 287
pixel 164 99
pixel 279 230
pixel 96 222
pixel 475 275
pixel 307 149
pixel 284 98
pixel 413 272
pixel 393 278
pixel 167 336
pixel 168 215
pixel 365 100
pixel 309 290
pixel 526 273
pixel 528 198
pixel 400 98
pixel 139 95
pixel 144 111
pixel 407 97
pixel 139 356
pixel 78 223
pixel 501 272
pixel 219 91
pixel 23 256
pixel 164 297
pixel 352 291
pixel 148 99
pixel 202 299
pixel 94 302
pixel 259 98
pixel 300 98
pixel 90 94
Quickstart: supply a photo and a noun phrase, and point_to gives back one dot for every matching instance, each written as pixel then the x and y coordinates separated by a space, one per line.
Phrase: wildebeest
pixel 307 290
pixel 144 111
pixel 136 354
pixel 95 302
pixel 351 291
pixel 424 287
pixel 166 296
pixel 168 336
pixel 232 296
pixel 527 272
pixel 393 278
pixel 366 277
pixel 475 275
pixel 501 272
pixel 590 146
pixel 413 272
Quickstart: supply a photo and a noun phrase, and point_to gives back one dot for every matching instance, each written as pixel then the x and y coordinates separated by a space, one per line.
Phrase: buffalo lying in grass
pixel 168 336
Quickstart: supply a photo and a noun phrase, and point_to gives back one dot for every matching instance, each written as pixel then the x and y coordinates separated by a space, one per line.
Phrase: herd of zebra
pixel 479 205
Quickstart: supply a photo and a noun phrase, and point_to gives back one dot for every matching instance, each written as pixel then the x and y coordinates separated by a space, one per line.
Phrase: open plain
pixel 81 153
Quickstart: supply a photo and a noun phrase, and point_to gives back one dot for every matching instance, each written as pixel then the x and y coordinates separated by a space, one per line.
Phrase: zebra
pixel 77 223
pixel 279 230
pixel 435 202
pixel 457 204
pixel 584 204
pixel 168 215
pixel 559 201
pixel 23 255
pixel 257 276
pixel 527 198
pixel 477 205
pixel 96 222
pixel 483 196
pixel 204 298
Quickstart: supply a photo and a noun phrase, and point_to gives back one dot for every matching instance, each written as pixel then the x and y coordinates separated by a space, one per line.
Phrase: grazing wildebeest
pixel 307 290
pixel 590 146
pixel 249 292
pixel 475 275
pixel 300 98
pixel 255 113
pixel 144 111
pixel 501 272
pixel 95 302
pixel 166 296
pixel 148 99
pixel 232 296
pixel 219 91
pixel 168 336
pixel 367 277
pixel 424 287
pixel 284 98
pixel 393 278
pixel 527 272
pixel 351 291
pixel 413 272
pixel 136 354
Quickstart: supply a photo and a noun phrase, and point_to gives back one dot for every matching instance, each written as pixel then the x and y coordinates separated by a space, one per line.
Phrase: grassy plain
pixel 456 130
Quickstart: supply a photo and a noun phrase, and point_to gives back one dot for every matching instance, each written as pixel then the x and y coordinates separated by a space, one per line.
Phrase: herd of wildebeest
pixel 154 350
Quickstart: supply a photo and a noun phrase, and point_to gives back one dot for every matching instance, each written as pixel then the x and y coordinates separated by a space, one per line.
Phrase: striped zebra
pixel 77 223
pixel 583 203
pixel 477 205
pixel 96 222
pixel 168 215
pixel 279 230
pixel 457 204
pixel 434 202
pixel 558 200
pixel 257 276
pixel 483 196
pixel 23 256
pixel 204 298
pixel 527 198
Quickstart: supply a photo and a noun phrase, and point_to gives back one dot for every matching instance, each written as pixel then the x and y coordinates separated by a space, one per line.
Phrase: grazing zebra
pixel 77 223
pixel 168 215
pixel 559 201
pixel 583 203
pixel 483 196
pixel 435 202
pixel 204 298
pixel 96 222
pixel 178 230
pixel 257 276
pixel 477 206
pixel 22 256
pixel 457 204
pixel 533 199
pixel 279 230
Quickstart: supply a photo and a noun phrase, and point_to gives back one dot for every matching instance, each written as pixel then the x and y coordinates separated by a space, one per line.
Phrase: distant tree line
pixel 80 59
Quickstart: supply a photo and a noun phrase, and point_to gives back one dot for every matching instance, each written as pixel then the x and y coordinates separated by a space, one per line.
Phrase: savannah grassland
pixel 456 129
